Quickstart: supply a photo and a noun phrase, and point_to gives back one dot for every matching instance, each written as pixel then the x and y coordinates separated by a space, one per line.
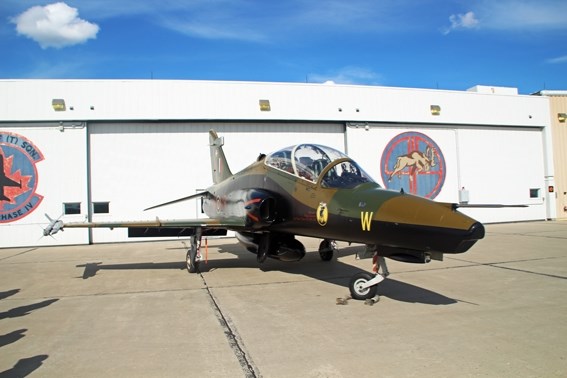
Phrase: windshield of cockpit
pixel 308 161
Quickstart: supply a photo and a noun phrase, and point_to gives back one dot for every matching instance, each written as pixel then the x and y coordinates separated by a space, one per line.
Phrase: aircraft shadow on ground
pixel 92 268
pixel 25 366
pixel 8 293
pixel 25 310
pixel 404 292
pixel 334 272
pixel 12 337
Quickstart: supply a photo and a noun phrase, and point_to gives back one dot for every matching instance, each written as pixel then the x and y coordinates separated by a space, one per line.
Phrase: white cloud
pixel 512 15
pixel 462 21
pixel 54 25
pixel 558 60
pixel 225 28
pixel 348 75
pixel 254 20
pixel 523 14
pixel 267 21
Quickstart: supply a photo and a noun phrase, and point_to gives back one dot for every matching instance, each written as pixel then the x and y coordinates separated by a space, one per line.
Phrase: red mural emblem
pixel 18 177
pixel 412 161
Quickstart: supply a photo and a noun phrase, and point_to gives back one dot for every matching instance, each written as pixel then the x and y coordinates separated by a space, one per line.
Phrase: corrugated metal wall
pixel 495 166
pixel 137 165
pixel 60 175
pixel 504 166
pixel 134 165
pixel 135 162
pixel 368 146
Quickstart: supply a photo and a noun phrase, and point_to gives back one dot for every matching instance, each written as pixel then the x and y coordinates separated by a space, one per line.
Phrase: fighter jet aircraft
pixel 315 191
pixel 6 181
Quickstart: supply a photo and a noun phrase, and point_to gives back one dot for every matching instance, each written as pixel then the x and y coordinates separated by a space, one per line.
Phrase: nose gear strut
pixel 364 285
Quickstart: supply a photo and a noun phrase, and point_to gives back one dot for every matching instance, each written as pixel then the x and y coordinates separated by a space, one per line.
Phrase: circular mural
pixel 18 177
pixel 413 162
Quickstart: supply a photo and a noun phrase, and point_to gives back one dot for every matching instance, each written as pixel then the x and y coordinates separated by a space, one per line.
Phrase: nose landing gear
pixel 364 285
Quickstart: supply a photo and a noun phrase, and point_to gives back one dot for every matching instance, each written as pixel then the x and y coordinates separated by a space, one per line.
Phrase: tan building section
pixel 558 107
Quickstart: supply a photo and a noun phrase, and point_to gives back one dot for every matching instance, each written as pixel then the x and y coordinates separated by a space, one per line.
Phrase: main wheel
pixel 326 250
pixel 263 248
pixel 192 267
pixel 356 289
pixel 297 246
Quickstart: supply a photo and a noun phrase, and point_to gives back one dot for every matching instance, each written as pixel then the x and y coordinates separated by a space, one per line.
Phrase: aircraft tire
pixel 263 248
pixel 359 293
pixel 191 268
pixel 326 250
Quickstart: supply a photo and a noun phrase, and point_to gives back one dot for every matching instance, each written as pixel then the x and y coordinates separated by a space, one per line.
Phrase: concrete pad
pixel 132 310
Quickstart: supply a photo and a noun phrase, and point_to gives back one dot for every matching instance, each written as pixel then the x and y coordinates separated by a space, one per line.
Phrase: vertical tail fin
pixel 219 165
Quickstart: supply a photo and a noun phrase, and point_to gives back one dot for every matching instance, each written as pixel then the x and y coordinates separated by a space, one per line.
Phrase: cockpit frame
pixel 319 165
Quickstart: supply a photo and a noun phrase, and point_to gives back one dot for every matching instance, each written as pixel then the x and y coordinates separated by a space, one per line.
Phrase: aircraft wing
pixel 146 225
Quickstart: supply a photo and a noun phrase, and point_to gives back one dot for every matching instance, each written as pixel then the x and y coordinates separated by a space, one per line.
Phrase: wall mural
pixel 18 177
pixel 413 162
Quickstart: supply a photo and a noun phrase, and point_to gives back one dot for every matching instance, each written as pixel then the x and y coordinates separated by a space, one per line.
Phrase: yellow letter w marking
pixel 366 220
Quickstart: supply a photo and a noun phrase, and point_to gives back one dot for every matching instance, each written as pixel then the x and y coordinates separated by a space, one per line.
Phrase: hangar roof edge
pixel 130 99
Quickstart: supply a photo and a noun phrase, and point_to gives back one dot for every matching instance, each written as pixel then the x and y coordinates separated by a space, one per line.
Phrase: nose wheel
pixel 364 285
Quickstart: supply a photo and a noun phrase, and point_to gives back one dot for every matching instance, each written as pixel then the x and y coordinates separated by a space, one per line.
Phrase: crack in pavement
pixel 234 340
pixel 499 266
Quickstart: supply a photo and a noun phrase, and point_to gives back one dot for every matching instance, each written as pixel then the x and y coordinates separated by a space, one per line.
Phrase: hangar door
pixel 43 171
pixel 481 165
pixel 136 165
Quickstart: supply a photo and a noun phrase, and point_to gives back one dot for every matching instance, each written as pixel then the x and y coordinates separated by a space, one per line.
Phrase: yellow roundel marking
pixel 322 214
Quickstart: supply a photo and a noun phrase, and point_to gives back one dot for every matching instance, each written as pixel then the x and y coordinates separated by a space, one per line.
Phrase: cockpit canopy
pixel 309 161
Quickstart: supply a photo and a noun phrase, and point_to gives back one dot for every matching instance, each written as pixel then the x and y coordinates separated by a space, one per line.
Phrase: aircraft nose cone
pixel 422 224
pixel 477 231
pixel 467 239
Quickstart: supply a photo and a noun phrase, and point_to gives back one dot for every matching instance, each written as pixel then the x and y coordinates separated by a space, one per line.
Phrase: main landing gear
pixel 264 248
pixel 327 248
pixel 194 257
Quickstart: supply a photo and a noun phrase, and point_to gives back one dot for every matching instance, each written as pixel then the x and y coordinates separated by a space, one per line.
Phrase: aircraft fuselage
pixel 396 223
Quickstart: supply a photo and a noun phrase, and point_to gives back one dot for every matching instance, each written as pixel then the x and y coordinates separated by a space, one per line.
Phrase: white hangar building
pixel 107 149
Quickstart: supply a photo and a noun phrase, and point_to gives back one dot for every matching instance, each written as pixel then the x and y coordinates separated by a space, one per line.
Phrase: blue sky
pixel 445 44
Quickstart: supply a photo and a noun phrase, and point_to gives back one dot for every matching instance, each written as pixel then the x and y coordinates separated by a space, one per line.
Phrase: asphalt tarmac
pixel 132 310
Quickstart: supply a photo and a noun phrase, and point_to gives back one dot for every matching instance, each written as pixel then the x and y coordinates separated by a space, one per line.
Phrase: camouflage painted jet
pixel 315 191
